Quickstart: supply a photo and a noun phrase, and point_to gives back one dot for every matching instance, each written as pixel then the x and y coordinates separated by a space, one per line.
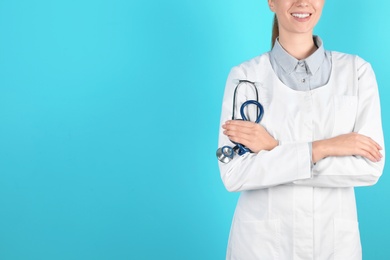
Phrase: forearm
pixel 352 144
pixel 344 171
pixel 284 164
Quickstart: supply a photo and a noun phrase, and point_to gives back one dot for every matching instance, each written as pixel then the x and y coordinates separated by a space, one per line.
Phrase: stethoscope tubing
pixel 260 110
pixel 241 149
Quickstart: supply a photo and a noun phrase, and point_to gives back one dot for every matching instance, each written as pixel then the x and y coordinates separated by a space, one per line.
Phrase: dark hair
pixel 275 31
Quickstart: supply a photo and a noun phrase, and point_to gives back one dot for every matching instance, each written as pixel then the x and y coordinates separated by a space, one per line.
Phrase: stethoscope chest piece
pixel 225 154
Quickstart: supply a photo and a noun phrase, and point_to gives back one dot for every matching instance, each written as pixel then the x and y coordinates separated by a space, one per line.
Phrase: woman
pixel 321 136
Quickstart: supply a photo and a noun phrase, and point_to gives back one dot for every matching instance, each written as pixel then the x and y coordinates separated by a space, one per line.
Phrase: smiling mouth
pixel 301 15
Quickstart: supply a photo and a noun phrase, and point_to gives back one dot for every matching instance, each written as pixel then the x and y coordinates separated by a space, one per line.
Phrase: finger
pixel 374 145
pixel 377 145
pixel 242 129
pixel 368 156
pixel 370 140
pixel 247 127
pixel 372 151
pixel 241 138
pixel 374 155
pixel 241 123
pixel 246 133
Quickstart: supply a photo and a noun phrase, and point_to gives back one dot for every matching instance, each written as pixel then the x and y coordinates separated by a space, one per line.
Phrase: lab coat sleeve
pixel 351 171
pixel 284 164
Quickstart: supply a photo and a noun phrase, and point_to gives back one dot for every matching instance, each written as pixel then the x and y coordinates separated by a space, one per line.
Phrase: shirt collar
pixel 289 63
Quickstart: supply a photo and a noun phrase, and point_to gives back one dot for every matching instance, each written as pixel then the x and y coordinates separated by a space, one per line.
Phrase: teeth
pixel 301 15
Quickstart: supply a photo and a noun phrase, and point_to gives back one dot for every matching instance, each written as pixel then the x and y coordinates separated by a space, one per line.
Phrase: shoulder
pixel 249 68
pixel 361 69
pixel 349 59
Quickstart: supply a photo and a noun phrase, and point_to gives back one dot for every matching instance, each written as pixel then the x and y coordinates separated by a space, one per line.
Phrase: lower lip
pixel 302 19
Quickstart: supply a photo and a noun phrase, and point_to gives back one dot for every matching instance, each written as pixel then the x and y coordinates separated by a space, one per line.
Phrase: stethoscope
pixel 226 153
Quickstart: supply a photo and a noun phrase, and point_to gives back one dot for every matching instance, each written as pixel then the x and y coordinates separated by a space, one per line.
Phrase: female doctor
pixel 321 136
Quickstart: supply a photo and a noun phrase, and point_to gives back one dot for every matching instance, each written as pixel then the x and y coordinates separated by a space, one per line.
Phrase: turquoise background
pixel 109 113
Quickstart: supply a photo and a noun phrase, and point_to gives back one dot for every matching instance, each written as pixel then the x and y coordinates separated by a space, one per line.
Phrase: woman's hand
pixel 346 145
pixel 250 134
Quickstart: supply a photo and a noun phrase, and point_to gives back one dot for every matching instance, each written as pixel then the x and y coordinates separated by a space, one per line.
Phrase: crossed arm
pixel 256 138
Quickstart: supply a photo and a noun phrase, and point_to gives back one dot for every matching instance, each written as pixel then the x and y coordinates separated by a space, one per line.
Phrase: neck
pixel 300 46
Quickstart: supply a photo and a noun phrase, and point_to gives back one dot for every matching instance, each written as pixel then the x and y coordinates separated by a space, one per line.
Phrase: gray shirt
pixel 302 75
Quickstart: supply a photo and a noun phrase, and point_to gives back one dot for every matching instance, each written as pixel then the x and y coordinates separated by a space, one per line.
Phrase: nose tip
pixel 302 3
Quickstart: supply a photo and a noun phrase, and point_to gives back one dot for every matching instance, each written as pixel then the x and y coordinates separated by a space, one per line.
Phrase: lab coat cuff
pixel 305 166
pixel 311 155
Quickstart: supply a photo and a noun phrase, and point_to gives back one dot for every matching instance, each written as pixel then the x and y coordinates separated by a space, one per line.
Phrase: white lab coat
pixel 289 209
